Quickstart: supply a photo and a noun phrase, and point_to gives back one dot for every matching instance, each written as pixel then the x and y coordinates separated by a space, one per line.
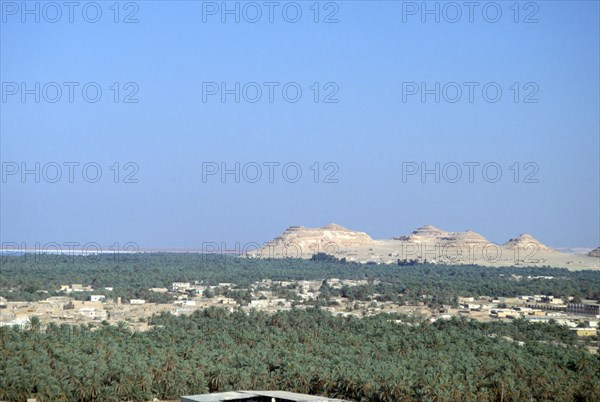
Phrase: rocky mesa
pixel 426 243
pixel 303 242
pixel 431 235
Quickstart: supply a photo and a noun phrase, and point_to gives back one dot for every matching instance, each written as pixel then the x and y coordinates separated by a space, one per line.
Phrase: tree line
pixel 27 278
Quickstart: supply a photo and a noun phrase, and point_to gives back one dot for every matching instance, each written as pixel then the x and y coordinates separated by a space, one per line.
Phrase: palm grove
pixel 381 358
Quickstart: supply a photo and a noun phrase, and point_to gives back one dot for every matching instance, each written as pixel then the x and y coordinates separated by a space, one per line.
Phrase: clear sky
pixel 373 61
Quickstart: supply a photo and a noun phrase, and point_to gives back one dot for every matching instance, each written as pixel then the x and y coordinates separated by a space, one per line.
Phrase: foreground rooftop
pixel 257 396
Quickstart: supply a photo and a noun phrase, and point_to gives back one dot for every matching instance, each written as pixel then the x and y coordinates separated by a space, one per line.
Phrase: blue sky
pixel 368 56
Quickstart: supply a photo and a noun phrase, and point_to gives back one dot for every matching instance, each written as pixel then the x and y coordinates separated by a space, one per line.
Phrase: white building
pixel 462 300
pixel 181 286
pixel 93 313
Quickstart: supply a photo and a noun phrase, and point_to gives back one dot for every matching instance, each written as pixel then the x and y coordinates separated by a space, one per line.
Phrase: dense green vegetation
pixel 21 278
pixel 308 351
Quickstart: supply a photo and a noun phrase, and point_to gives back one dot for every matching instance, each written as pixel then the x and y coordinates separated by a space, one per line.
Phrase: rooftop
pixel 257 396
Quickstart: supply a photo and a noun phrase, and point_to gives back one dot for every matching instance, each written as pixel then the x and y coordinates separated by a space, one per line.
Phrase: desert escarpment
pixel 424 244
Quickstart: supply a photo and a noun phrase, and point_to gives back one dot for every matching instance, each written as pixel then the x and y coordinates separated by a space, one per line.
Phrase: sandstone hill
pixel 304 242
pixel 426 243
pixel 431 234
pixel 594 253
pixel 525 241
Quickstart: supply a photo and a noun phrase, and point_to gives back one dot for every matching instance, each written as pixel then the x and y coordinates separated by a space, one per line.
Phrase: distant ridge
pixel 425 244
